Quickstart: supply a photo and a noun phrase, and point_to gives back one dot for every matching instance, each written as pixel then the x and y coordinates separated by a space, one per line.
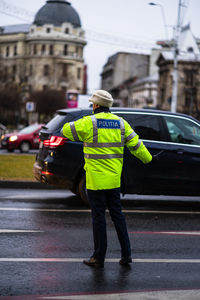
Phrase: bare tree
pixel 9 105
pixel 47 102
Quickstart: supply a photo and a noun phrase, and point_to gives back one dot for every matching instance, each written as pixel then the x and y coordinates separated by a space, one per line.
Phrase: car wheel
pixel 10 150
pixel 82 190
pixel 25 147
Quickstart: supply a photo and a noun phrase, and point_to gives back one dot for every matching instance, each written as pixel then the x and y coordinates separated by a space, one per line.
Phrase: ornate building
pixel 188 96
pixel 47 54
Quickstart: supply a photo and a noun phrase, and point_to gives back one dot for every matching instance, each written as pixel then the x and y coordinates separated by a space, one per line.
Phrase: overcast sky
pixel 116 25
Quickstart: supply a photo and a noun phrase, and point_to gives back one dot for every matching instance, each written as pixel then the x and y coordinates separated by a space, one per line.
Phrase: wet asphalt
pixel 45 235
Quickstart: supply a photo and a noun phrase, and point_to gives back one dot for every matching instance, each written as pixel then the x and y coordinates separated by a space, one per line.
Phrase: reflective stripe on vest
pixel 73 130
pixel 135 147
pixel 102 145
pixel 131 136
pixel 102 156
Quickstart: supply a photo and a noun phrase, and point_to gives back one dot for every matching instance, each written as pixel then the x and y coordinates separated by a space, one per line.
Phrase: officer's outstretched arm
pixel 135 145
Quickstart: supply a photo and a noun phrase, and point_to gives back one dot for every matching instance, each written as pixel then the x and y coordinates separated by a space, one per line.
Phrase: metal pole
pixel 164 20
pixel 176 51
pixel 163 17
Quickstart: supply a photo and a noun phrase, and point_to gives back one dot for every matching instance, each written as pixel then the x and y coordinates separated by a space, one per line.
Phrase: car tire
pixel 82 191
pixel 10 150
pixel 25 147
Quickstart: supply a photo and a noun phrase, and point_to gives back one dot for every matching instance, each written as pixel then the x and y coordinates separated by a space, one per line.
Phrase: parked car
pixel 174 137
pixel 25 139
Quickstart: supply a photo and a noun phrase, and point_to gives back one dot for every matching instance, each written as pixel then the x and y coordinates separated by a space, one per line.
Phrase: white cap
pixel 101 97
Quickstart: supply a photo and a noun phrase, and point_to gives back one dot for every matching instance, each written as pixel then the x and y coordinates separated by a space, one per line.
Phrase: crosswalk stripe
pixel 108 260
pixel 18 231
pixel 167 232
pixel 88 210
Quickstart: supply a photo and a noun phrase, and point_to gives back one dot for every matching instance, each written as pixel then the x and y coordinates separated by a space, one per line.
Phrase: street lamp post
pixel 176 52
pixel 163 16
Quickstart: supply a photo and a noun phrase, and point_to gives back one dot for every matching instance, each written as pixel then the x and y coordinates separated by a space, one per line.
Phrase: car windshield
pixel 29 129
pixel 58 121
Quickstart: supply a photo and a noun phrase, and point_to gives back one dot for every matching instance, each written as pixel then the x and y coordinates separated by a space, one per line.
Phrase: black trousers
pixel 99 200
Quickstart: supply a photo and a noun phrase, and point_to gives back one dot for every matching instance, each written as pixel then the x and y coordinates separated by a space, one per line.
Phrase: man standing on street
pixel 104 135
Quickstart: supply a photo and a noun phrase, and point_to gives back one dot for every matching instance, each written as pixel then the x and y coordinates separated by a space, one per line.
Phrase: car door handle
pixel 180 151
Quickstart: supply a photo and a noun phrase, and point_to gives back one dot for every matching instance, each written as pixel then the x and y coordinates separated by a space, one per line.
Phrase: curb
pixel 26 185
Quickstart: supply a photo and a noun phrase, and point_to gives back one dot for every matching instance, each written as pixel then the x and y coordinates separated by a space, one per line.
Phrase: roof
pixel 147 79
pixel 15 28
pixel 57 12
pixel 190 56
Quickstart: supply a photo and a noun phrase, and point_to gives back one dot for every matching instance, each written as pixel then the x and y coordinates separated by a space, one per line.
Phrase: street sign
pixel 30 106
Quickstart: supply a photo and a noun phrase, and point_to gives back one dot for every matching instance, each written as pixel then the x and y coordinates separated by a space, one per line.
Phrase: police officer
pixel 104 135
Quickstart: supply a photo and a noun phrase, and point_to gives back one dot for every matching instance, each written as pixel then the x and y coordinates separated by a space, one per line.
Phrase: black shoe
pixel 92 262
pixel 124 261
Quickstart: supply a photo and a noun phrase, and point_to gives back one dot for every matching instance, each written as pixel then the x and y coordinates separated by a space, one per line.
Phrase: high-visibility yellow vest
pixel 104 136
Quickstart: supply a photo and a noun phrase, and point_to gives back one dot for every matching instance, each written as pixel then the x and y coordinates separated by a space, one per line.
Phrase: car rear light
pixel 55 141
pixel 46 173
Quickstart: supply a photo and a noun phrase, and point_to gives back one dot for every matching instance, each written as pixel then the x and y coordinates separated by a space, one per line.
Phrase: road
pixel 45 235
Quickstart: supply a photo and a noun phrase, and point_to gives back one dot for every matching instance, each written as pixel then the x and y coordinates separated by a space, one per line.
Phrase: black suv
pixel 174 137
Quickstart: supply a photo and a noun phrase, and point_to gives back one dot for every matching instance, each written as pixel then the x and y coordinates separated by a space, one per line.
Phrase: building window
pixel 7 51
pixel 162 94
pixel 77 51
pixel 79 73
pixel 43 49
pixel 51 49
pixel 34 49
pixel 65 49
pixel 31 70
pixel 46 70
pixel 190 99
pixel 65 70
pixel 14 69
pixel 189 77
pixel 190 49
pixel 5 73
pixel 48 30
pixel 64 90
pixel 81 52
pixel 15 51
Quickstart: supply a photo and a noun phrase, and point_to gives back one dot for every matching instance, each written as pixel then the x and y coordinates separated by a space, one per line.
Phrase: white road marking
pixel 44 209
pixel 108 260
pixel 18 231
pixel 167 232
pixel 139 211
pixel 136 295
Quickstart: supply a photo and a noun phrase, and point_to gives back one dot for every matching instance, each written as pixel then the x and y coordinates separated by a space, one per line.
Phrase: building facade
pixel 144 92
pixel 188 96
pixel 120 71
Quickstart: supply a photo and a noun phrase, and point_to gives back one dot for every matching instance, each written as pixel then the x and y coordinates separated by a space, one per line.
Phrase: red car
pixel 24 140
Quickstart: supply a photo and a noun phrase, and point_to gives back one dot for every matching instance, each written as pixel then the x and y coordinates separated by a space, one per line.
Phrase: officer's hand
pixel 155 158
